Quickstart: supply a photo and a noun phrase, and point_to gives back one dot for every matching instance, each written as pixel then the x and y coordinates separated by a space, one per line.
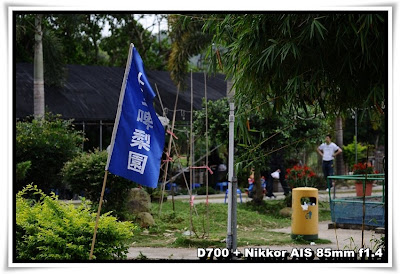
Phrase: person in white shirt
pixel 328 151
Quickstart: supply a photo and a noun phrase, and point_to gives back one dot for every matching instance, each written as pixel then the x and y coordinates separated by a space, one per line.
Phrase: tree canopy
pixel 79 39
pixel 336 60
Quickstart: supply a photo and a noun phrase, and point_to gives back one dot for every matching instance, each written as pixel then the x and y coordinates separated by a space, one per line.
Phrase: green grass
pixel 209 229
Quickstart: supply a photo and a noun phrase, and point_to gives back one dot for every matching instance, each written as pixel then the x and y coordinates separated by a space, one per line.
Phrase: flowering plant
pixel 364 168
pixel 299 176
pixel 364 187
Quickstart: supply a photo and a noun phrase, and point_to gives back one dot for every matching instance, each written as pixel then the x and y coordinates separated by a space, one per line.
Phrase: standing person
pixel 276 170
pixel 213 162
pixel 328 151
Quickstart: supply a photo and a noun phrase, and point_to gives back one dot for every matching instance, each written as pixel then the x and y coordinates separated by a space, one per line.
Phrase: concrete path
pixel 322 195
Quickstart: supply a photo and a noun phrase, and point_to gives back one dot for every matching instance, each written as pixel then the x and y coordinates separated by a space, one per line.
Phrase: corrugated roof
pixel 92 92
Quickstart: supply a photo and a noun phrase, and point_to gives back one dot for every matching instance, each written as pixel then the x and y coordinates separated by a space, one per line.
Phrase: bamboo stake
pixel 169 152
pixel 161 103
pixel 207 207
pixel 363 200
pixel 197 161
pixel 98 214
pixel 191 149
pixel 166 170
pixel 184 176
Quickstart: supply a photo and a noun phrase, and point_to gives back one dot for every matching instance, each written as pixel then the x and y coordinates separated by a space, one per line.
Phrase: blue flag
pixel 138 136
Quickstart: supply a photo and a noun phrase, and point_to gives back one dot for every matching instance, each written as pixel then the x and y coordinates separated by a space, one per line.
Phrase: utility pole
pixel 355 129
pixel 231 240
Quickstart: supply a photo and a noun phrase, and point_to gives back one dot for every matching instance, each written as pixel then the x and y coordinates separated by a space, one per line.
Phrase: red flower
pixel 363 168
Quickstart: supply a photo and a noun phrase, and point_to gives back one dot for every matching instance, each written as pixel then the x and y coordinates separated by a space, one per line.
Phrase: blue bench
pixel 168 186
pixel 237 191
pixel 222 185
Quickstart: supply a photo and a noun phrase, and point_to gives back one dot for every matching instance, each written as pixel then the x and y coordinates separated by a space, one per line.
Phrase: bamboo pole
pixel 161 103
pixel 98 214
pixel 363 202
pixel 184 176
pixel 197 161
pixel 207 173
pixel 191 149
pixel 169 152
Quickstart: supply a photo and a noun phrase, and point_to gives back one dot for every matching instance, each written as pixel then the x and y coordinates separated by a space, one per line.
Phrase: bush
pixel 349 152
pixel 85 174
pixel 48 230
pixel 22 169
pixel 47 144
pixel 202 190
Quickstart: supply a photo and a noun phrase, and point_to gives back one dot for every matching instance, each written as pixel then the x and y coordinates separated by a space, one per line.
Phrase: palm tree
pixel 38 80
pixel 339 142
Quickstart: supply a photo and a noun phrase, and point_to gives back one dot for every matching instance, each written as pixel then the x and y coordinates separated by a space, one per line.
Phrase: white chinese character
pixel 138 78
pixel 145 118
pixel 137 162
pixel 141 140
pixel 141 83
pixel 144 102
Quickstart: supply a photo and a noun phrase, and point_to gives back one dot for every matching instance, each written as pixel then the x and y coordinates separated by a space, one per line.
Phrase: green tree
pixel 36 37
pixel 218 124
pixel 47 144
pixel 331 60
pixel 77 39
pixel 262 138
pixel 260 134
pixel 188 40
pixel 126 29
pixel 38 80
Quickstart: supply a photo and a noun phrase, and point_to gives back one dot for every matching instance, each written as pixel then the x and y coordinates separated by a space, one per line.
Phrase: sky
pixel 147 22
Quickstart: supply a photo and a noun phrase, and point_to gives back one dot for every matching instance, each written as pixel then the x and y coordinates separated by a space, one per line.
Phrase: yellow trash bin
pixel 305 213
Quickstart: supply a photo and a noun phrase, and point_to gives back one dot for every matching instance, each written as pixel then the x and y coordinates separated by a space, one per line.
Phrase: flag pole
pixel 98 214
pixel 120 101
pixel 117 118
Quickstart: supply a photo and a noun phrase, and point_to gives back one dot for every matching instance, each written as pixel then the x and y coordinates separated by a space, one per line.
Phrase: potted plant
pixel 363 169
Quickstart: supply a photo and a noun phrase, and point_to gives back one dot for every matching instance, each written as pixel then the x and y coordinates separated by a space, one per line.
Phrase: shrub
pixel 203 190
pixel 49 230
pixel 48 144
pixel 349 152
pixel 22 169
pixel 84 175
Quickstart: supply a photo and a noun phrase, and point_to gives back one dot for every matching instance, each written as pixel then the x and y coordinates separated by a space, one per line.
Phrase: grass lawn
pixel 173 228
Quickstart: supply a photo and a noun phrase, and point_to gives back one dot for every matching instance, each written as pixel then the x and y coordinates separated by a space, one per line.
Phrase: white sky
pixel 146 22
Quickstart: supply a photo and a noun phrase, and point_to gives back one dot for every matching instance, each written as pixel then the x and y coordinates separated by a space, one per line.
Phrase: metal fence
pixel 359 210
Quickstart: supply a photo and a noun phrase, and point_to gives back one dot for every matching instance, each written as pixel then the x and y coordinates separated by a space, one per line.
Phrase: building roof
pixel 92 92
